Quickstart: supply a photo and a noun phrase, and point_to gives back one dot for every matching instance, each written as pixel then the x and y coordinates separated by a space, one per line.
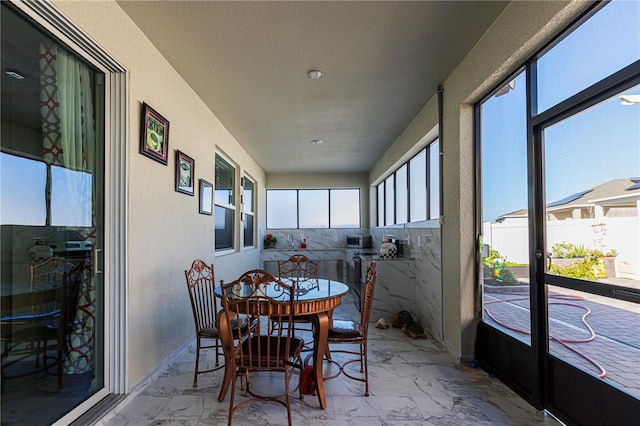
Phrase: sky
pixel 585 150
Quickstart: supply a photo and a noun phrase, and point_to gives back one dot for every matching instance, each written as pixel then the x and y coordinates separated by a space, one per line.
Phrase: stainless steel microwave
pixel 359 241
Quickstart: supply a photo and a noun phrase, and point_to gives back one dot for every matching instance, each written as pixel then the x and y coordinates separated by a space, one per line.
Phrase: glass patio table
pixel 316 298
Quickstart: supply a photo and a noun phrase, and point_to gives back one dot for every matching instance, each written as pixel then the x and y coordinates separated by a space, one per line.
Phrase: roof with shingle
pixel 613 189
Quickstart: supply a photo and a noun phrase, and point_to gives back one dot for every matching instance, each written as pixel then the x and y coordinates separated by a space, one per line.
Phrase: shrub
pixel 588 268
pixel 496 269
pixel 566 250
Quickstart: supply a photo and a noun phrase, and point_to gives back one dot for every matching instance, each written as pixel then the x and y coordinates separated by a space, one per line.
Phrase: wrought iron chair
pixel 201 285
pixel 44 276
pixel 46 316
pixel 48 274
pixel 258 295
pixel 304 273
pixel 354 333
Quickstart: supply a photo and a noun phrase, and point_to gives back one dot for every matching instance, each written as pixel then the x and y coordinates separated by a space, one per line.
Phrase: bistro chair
pixel 344 332
pixel 48 274
pixel 258 295
pixel 201 285
pixel 302 271
pixel 46 316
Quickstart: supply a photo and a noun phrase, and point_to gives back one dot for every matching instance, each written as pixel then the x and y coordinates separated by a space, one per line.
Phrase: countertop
pixel 391 259
pixel 371 253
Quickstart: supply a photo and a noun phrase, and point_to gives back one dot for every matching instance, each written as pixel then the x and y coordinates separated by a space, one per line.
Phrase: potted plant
pixel 270 241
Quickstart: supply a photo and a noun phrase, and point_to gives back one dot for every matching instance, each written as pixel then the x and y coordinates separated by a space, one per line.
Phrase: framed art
pixel 154 137
pixel 185 166
pixel 206 197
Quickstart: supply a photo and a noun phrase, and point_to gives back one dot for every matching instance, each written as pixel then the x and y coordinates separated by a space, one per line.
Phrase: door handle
pixel 95 261
pixel 540 255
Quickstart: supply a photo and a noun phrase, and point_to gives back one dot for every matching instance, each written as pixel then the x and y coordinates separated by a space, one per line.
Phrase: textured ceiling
pixel 380 63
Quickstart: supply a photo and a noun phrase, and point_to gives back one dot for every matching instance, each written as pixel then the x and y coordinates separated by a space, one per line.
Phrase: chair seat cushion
pixel 341 329
pixel 41 331
pixel 212 332
pixel 276 350
pixel 209 332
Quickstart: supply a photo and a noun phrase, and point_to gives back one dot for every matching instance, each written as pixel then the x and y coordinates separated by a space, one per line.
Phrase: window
pixel 282 208
pixel 412 192
pixel 389 205
pixel 248 210
pixel 225 178
pixel 402 199
pixel 345 208
pixel 380 205
pixel 591 50
pixel 418 186
pixel 504 231
pixel 22 188
pixel 313 208
pixel 434 180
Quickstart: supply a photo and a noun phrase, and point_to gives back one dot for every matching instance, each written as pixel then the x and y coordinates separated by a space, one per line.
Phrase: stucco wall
pixel 521 29
pixel 165 230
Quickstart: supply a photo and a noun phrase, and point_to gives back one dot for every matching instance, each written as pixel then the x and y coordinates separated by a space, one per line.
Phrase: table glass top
pixel 307 290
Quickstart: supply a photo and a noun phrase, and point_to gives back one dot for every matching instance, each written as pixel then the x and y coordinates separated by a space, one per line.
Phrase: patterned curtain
pixel 68 140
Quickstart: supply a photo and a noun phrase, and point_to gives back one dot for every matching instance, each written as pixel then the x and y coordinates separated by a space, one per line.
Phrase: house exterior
pixel 600 218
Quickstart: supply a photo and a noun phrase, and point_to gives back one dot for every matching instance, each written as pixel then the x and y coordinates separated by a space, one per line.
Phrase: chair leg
pixel 231 397
pixel 366 370
pixel 59 367
pixel 287 377
pixel 195 373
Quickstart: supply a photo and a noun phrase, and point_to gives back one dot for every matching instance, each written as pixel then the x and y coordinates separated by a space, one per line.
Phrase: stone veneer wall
pixel 319 239
pixel 423 244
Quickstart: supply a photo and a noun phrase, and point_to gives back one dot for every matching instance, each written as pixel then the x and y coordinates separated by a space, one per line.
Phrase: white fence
pixel 622 234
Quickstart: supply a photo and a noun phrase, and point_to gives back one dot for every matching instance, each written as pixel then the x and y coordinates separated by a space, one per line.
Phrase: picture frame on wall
pixel 154 135
pixel 206 197
pixel 185 173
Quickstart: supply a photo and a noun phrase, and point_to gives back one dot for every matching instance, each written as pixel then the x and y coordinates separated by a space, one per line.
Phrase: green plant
pixel 566 250
pixel 496 269
pixel 588 268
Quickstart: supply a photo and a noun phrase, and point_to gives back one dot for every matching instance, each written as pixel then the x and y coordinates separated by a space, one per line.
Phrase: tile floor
pixel 412 382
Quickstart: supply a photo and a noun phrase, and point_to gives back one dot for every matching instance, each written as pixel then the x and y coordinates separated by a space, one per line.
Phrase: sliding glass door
pixel 51 217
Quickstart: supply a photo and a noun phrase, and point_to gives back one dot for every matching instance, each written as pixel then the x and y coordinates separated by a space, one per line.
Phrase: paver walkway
pixel 601 336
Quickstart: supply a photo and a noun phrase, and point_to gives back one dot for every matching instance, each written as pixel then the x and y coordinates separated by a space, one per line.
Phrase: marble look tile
pixel 412 382
pixel 142 407
pixel 183 407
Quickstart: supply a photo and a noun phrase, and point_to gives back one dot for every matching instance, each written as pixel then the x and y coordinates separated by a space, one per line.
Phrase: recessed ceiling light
pixel 316 141
pixel 314 74
pixel 14 73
